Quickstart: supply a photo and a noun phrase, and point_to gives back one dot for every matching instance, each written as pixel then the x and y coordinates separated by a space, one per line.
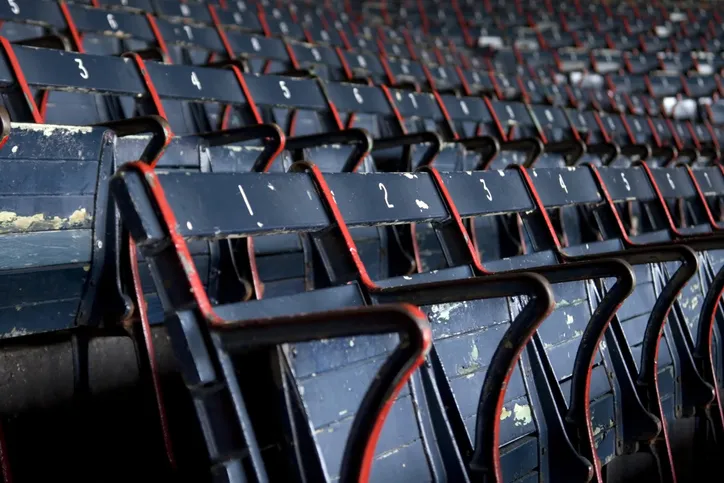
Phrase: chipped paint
pixel 522 414
pixel 189 225
pixel 505 414
pixel 569 319
pixel 259 224
pixel 14 332
pixel 474 354
pixel 15 149
pixel 351 343
pixel 78 217
pixel 271 186
pixel 409 175
pixel 694 303
pixel 501 173
pixel 343 412
pixel 49 129
pixel 421 204
pixel 240 149
pixel 442 312
pixel 11 221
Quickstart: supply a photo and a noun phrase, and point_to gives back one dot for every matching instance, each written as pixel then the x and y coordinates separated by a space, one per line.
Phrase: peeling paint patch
pixel 442 312
pixel 11 221
pixel 421 204
pixel 505 414
pixel 569 319
pixel 474 354
pixel 522 415
pixel 49 129
pixel 409 175
pixel 14 332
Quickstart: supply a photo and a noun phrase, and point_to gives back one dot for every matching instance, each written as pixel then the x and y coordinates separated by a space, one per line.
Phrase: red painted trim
pixel 142 309
pixel 388 72
pixel 538 203
pixel 655 132
pixel 674 134
pixel 503 135
pixel 222 33
pixel 262 20
pixel 45 94
pixel 455 216
pixel 17 72
pixel 326 193
pixel 662 201
pixel 395 111
pixel 463 81
pixel 700 193
pixel 345 66
pixel 445 114
pixel 247 94
pixel 292 55
pixel 150 88
pixel 77 41
pixel 694 137
pixel 159 38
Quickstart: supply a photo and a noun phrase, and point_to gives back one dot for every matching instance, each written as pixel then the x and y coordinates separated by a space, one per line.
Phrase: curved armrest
pixel 357 137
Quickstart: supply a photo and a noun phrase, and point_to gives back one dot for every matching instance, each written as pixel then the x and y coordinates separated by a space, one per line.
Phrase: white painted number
pixel 324 35
pixel 464 107
pixel 185 10
pixel 412 99
pixel 384 190
pixel 488 194
pixel 357 95
pixel 317 56
pixel 83 72
pixel 708 181
pixel 625 182
pixel 14 7
pixel 671 181
pixel 246 200
pixel 510 112
pixel 195 80
pixel 238 18
pixel 549 115
pixel 283 27
pixel 361 61
pixel 562 183
pixel 285 90
pixel 112 21
pixel 255 44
